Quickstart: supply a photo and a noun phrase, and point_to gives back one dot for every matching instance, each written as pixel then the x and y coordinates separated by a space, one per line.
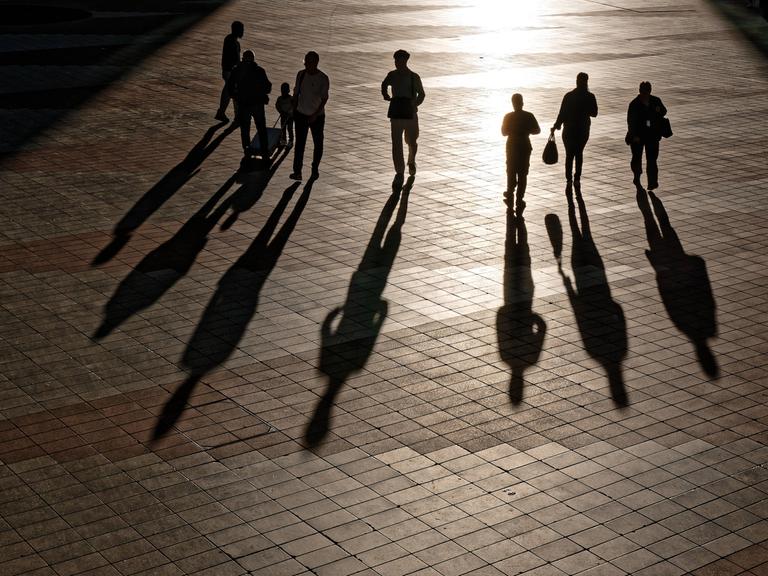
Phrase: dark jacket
pixel 575 111
pixel 249 84
pixel 517 127
pixel 643 121
pixel 230 53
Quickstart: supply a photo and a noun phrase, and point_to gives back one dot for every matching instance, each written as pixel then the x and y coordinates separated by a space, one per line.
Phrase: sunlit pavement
pixel 208 373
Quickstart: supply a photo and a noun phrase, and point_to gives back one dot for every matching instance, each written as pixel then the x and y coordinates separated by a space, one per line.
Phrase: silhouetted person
pixel 644 123
pixel 231 308
pixel 578 106
pixel 517 127
pixel 520 330
pixel 250 88
pixel 599 317
pixel 347 349
pixel 284 107
pixel 683 281
pixel 310 94
pixel 230 57
pixel 407 96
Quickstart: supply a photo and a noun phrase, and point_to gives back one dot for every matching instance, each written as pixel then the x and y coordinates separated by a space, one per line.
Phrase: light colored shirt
pixel 312 91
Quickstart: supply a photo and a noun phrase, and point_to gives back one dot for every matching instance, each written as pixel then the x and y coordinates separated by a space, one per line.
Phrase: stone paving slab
pixel 205 372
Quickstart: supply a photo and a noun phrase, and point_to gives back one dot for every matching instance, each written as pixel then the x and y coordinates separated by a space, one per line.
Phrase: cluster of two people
pixel 248 85
pixel 645 120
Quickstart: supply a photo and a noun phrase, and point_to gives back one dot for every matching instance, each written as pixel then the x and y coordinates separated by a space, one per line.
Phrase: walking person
pixel 310 94
pixel 578 106
pixel 284 107
pixel 250 89
pixel 407 94
pixel 518 126
pixel 645 118
pixel 230 57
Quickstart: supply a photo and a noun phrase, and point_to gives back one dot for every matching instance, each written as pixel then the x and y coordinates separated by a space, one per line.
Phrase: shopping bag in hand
pixel 550 151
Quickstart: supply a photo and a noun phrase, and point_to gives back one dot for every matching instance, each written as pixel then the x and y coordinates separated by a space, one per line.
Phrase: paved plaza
pixel 220 373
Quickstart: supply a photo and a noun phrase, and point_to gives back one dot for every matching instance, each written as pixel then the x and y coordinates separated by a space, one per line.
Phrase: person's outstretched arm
pixel 561 114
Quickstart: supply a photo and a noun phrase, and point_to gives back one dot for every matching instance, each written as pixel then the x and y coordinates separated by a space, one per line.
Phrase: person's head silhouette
pixel 285 89
pixel 645 92
pixel 517 101
pixel 582 80
pixel 248 56
pixel 238 28
pixel 311 60
pixel 401 59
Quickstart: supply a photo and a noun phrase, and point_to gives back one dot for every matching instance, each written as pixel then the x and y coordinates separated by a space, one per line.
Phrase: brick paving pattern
pixel 213 373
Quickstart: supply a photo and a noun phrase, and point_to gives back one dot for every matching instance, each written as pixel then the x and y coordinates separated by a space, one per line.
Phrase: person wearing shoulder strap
pixel 645 117
pixel 407 94
pixel 310 97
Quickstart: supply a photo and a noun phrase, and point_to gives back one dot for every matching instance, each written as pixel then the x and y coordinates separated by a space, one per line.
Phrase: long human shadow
pixel 599 317
pixel 520 330
pixel 161 192
pixel 347 349
pixel 159 270
pixel 683 281
pixel 233 305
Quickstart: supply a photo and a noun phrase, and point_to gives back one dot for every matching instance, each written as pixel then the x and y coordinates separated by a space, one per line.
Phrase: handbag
pixel 402 106
pixel 666 128
pixel 549 156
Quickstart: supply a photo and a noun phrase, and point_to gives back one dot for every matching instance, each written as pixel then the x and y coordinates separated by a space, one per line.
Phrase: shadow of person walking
pixel 599 317
pixel 161 192
pixel 347 349
pixel 520 330
pixel 232 306
pixel 159 270
pixel 682 279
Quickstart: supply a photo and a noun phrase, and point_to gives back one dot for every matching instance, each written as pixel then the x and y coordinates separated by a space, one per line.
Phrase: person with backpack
pixel 250 89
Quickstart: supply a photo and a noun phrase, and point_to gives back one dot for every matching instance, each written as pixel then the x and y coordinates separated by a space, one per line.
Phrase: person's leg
pixel 224 98
pixel 397 145
pixel 570 151
pixel 244 118
pixel 289 123
pixel 318 136
pixel 302 128
pixel 522 181
pixel 511 175
pixel 579 156
pixel 411 137
pixel 283 129
pixel 637 161
pixel 651 157
pixel 261 128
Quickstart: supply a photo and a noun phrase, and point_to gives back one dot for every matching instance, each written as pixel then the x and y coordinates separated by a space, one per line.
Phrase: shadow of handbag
pixel 549 156
pixel 666 128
